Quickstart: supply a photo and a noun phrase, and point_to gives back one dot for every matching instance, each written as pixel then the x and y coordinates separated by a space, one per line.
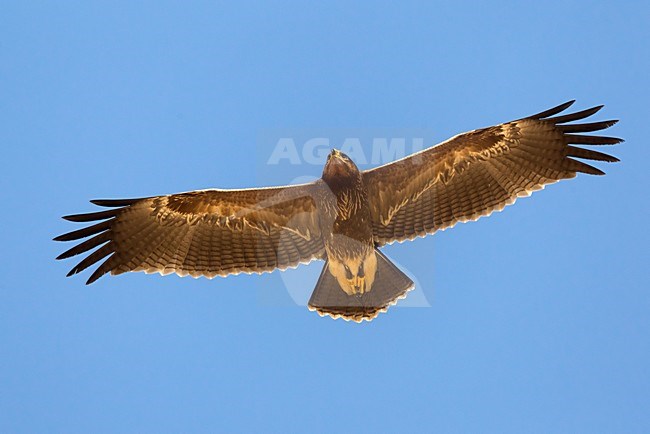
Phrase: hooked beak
pixel 336 165
pixel 334 153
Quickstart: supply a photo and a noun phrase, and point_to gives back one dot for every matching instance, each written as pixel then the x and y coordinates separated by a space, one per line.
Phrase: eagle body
pixel 348 235
pixel 357 281
pixel 345 217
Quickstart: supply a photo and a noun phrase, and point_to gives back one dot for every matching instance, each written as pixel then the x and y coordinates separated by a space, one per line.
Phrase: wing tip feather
pixel 99 272
pixel 113 203
pixel 576 115
pixel 92 216
pixel 553 111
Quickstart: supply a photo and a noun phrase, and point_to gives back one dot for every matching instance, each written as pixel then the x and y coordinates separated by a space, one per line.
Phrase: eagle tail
pixel 390 285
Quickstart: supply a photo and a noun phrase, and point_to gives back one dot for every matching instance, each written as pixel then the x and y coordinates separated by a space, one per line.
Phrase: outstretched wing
pixel 476 173
pixel 202 233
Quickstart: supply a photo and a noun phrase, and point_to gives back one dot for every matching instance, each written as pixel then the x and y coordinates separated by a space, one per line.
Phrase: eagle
pixel 343 218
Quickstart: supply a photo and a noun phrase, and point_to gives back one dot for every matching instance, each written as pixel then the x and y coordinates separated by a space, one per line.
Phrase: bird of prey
pixel 343 218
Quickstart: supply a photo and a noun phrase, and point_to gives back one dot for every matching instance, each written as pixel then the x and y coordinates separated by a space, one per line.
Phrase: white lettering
pixel 353 149
pixel 284 149
pixel 315 150
pixel 384 151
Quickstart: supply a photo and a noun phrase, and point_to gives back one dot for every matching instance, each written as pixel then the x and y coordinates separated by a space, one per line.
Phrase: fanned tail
pixel 390 285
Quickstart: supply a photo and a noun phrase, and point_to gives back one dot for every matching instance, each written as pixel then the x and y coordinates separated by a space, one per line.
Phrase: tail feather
pixel 389 286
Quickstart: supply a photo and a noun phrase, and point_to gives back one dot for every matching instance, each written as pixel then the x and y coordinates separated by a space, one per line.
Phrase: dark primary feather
pixel 479 172
pixel 591 140
pixel 589 154
pixel 94 257
pixel 555 110
pixel 113 203
pixel 84 232
pixel 93 216
pixel 575 116
pixel 585 128
pixel 89 244
pixel 101 232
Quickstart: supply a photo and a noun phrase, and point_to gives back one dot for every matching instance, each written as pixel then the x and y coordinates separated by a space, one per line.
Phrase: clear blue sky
pixel 540 315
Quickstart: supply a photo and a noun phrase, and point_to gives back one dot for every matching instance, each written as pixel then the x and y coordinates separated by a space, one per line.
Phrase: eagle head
pixel 355 275
pixel 339 166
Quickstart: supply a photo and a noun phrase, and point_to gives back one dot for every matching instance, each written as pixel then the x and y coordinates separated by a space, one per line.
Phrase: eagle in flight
pixel 343 218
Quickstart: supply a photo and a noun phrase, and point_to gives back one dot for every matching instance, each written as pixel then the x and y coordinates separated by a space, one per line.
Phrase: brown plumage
pixel 345 216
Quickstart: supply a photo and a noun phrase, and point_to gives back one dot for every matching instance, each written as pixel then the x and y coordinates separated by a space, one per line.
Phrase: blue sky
pixel 538 317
